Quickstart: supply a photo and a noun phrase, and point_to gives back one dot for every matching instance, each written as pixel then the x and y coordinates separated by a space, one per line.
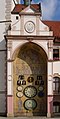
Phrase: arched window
pixel 56 84
pixel 56 107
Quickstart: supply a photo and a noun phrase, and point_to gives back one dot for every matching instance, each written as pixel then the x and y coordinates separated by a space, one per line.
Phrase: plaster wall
pixel 15 25
pixel 56 67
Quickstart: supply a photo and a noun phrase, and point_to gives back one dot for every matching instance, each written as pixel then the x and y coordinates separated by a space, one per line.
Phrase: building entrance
pixel 30 81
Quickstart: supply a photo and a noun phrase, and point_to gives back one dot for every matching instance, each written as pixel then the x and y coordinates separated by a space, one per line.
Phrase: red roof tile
pixel 54 26
pixel 19 7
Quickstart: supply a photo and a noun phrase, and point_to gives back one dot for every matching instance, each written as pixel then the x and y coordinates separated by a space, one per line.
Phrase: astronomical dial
pixel 30 104
pixel 29 26
pixel 30 91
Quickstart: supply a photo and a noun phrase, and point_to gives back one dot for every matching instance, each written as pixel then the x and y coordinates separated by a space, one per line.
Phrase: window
pixel 17 17
pixel 56 84
pixel 56 107
pixel 56 54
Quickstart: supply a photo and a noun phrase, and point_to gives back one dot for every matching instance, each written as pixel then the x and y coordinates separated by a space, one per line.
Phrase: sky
pixel 50 9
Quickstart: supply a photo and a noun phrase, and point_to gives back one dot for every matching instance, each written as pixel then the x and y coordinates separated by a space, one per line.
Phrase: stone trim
pixel 10 115
pixel 10 60
pixel 16 37
pixel 33 14
pixel 37 26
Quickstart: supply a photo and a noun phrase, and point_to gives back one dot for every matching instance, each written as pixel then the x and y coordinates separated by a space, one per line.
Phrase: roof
pixel 19 7
pixel 54 26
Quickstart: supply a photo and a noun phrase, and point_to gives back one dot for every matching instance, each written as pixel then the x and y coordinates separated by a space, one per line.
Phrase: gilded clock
pixel 30 91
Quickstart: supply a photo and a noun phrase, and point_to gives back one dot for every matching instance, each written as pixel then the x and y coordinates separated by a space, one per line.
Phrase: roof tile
pixel 19 7
pixel 54 26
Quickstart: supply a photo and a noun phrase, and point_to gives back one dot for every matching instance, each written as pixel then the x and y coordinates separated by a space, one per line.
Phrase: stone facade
pixel 27 28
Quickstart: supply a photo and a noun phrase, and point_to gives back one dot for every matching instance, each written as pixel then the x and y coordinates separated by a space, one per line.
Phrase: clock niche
pixel 30 67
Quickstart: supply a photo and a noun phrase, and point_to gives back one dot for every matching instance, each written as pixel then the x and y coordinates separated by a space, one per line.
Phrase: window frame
pixel 56 84
pixel 56 107
pixel 56 54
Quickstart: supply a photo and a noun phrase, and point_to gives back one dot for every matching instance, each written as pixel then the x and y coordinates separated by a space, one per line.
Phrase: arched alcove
pixel 30 81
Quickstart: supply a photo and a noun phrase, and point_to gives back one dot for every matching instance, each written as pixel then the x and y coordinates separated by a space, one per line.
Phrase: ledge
pixel 28 37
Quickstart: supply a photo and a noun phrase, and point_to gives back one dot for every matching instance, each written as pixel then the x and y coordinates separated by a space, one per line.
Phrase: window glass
pixel 56 107
pixel 55 54
pixel 56 84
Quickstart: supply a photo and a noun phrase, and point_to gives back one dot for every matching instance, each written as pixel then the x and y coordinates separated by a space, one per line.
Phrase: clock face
pixel 30 104
pixel 19 88
pixel 19 94
pixel 40 88
pixel 29 26
pixel 30 91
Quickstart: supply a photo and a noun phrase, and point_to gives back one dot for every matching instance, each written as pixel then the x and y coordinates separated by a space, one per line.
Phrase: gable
pixel 27 10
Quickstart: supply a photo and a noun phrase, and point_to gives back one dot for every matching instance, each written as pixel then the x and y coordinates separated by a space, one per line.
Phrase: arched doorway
pixel 30 81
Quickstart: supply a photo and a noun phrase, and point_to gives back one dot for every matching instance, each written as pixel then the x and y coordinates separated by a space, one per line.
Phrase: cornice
pixel 16 37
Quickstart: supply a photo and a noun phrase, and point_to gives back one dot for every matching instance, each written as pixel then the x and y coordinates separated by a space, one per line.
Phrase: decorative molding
pixel 30 39
pixel 48 115
pixel 9 44
pixel 50 44
pixel 22 37
pixel 56 75
pixel 33 14
pixel 22 25
pixel 9 95
pixel 10 60
pixel 37 25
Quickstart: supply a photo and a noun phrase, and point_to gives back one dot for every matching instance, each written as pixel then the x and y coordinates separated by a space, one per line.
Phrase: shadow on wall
pixel 3 45
pixel 51 107
pixel 3 78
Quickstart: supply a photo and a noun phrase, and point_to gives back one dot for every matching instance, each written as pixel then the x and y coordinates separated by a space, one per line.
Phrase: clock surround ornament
pixel 29 26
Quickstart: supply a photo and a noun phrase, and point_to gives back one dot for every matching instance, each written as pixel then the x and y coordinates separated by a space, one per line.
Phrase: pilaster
pixel 50 79
pixel 22 25
pixel 9 80
pixel 50 49
pixel 37 25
